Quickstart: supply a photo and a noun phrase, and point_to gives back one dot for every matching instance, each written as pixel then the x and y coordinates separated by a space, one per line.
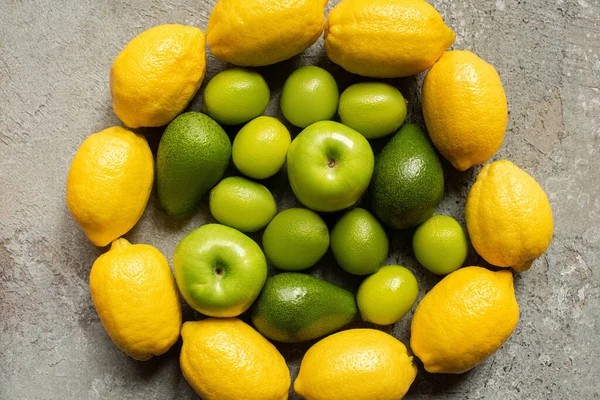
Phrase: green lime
pixel 235 96
pixel 359 243
pixel 260 147
pixel 440 244
pixel 242 204
pixel 387 295
pixel 309 94
pixel 295 239
pixel 372 108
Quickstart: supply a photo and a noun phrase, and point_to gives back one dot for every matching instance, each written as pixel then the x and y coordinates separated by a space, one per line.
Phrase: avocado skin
pixel 408 179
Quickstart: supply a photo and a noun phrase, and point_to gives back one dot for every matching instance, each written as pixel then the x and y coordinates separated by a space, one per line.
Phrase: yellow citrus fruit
pixel 386 38
pixel 357 364
pixel 109 183
pixel 508 215
pixel 262 32
pixel 465 108
pixel 226 359
pixel 157 74
pixel 136 297
pixel 464 319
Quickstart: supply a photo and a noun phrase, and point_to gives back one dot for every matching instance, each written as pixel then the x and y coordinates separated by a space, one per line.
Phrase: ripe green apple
pixel 219 270
pixel 329 166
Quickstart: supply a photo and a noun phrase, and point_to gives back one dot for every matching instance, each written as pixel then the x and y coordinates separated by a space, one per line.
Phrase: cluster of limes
pixel 464 319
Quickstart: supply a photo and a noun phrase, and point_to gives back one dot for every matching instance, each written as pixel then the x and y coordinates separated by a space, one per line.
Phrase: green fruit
pixel 236 96
pixel 260 147
pixel 440 244
pixel 387 295
pixel 372 108
pixel 219 270
pixel 295 239
pixel 408 180
pixel 309 94
pixel 242 204
pixel 193 154
pixel 359 243
pixel 296 307
pixel 329 166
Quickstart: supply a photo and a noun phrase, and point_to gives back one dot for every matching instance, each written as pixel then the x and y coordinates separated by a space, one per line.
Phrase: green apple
pixel 329 166
pixel 219 270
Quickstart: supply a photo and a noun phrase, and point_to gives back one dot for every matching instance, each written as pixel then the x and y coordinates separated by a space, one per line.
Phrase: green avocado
pixel 295 307
pixel 193 154
pixel 408 180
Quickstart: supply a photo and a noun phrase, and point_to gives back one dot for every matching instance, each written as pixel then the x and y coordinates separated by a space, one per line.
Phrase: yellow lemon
pixel 254 33
pixel 357 364
pixel 157 74
pixel 226 359
pixel 464 319
pixel 109 183
pixel 386 38
pixel 508 215
pixel 465 108
pixel 136 298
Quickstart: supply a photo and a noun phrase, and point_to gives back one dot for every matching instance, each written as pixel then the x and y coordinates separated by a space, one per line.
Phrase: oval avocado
pixel 295 307
pixel 408 180
pixel 193 154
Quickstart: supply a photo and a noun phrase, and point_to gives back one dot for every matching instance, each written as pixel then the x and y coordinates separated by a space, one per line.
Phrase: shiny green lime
pixel 387 295
pixel 260 147
pixel 440 244
pixel 359 243
pixel 374 109
pixel 242 204
pixel 235 96
pixel 309 94
pixel 295 239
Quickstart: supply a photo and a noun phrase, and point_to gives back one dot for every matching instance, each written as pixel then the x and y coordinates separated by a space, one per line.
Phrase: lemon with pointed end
pixel 465 108
pixel 357 364
pixel 242 204
pixel 135 295
pixel 109 183
pixel 157 74
pixel 509 217
pixel 386 38
pixel 464 319
pixel 263 32
pixel 260 147
pixel 226 359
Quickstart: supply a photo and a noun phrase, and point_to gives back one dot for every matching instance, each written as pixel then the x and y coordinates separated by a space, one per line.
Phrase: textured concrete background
pixel 54 62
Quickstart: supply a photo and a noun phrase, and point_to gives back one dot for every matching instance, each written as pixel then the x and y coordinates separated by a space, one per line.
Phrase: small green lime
pixel 242 204
pixel 235 96
pixel 260 147
pixel 440 244
pixel 374 109
pixel 295 239
pixel 309 94
pixel 387 295
pixel 359 243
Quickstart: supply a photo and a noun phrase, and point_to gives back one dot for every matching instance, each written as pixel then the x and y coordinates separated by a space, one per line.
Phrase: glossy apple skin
pixel 219 270
pixel 329 166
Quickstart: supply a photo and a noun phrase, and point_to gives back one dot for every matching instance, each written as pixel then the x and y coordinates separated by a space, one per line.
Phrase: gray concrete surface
pixel 54 63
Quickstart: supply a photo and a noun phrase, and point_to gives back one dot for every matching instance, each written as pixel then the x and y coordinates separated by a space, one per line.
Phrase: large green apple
pixel 329 166
pixel 219 270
